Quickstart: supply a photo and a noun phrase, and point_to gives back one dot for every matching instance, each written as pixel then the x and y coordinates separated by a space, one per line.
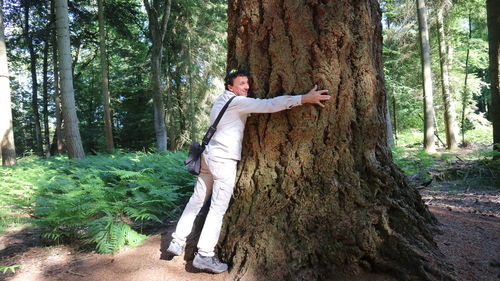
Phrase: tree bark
pixel 318 196
pixel 493 11
pixel 449 104
pixel 34 82
pixel 46 135
pixel 72 132
pixel 6 130
pixel 426 77
pixel 58 136
pixel 157 31
pixel 390 135
pixel 395 118
pixel 108 130
pixel 465 92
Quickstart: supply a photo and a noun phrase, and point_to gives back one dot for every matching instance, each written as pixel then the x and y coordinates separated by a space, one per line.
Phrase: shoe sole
pixel 174 253
pixel 206 269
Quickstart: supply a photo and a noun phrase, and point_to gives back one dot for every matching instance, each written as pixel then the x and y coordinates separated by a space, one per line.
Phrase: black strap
pixel 211 130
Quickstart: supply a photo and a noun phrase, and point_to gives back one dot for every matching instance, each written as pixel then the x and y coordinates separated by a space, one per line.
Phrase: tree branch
pixel 166 16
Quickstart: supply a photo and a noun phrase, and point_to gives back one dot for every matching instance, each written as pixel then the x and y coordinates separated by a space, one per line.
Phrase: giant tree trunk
pixel 34 83
pixel 449 104
pixel 157 31
pixel 493 10
pixel 426 77
pixel 318 196
pixel 6 130
pixel 71 130
pixel 108 130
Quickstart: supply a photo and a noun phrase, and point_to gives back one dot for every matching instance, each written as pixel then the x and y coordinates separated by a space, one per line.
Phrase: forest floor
pixel 466 206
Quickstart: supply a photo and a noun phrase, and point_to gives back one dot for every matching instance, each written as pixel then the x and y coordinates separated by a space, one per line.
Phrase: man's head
pixel 236 81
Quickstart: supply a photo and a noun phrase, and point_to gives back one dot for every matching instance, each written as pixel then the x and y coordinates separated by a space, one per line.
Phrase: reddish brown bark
pixel 318 196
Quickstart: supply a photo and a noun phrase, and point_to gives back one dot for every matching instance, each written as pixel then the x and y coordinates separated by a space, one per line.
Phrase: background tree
pixel 6 130
pixel 34 82
pixel 195 50
pixel 426 77
pixel 46 134
pixel 108 130
pixel 493 8
pixel 58 142
pixel 158 14
pixel 449 104
pixel 72 132
pixel 318 196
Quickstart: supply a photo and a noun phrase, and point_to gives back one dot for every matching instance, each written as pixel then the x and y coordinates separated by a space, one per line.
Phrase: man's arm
pixel 251 105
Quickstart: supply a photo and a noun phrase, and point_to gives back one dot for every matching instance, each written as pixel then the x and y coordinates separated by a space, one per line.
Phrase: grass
pixel 451 170
pixel 482 135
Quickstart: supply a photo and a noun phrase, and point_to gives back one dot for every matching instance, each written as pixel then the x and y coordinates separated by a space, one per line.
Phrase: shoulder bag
pixel 193 161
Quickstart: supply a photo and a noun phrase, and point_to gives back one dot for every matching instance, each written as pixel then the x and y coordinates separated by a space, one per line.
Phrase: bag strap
pixel 222 111
pixel 211 130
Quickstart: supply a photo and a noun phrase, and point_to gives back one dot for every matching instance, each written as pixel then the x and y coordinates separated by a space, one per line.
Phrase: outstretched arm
pixel 251 105
pixel 315 97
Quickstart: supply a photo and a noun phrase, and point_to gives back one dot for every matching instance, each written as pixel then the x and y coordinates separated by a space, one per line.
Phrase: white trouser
pixel 216 174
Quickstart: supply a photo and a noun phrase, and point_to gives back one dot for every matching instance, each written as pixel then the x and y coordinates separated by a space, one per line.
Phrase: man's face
pixel 240 86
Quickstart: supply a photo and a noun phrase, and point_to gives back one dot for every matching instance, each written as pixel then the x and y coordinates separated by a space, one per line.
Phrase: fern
pixel 110 234
pixel 100 197
pixel 10 268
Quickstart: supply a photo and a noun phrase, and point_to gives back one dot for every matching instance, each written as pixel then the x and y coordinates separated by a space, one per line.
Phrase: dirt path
pixel 469 239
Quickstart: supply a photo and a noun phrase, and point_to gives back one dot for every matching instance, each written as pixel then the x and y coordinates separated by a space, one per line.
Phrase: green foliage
pixel 11 268
pixel 402 65
pixel 414 161
pixel 101 198
pixel 481 134
pixel 110 233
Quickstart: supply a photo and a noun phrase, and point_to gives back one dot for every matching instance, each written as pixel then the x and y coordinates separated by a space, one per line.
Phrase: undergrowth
pixel 476 169
pixel 102 199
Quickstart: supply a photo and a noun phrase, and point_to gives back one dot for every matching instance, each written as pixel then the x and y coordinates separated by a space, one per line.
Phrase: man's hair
pixel 232 74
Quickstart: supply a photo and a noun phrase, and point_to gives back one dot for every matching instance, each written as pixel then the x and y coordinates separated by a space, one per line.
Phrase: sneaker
pixel 175 249
pixel 210 264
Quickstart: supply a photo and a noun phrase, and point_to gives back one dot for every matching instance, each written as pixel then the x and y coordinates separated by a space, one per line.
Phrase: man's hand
pixel 315 97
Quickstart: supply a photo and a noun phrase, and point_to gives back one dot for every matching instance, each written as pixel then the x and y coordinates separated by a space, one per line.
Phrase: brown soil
pixel 468 234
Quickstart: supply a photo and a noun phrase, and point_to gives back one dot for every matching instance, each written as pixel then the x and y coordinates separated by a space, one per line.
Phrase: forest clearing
pixel 281 140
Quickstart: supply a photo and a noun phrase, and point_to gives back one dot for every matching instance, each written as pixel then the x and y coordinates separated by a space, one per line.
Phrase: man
pixel 218 166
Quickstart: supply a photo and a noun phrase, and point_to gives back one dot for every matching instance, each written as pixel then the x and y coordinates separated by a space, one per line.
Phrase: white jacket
pixel 227 140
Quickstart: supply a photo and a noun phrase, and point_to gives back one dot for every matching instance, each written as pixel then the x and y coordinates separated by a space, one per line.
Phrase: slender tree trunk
pixel 58 139
pixel 157 31
pixel 395 118
pixel 390 136
pixel 6 130
pixel 72 132
pixel 317 195
pixel 46 135
pixel 465 92
pixel 108 129
pixel 493 11
pixel 34 82
pixel 449 104
pixel 426 77
pixel 192 116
